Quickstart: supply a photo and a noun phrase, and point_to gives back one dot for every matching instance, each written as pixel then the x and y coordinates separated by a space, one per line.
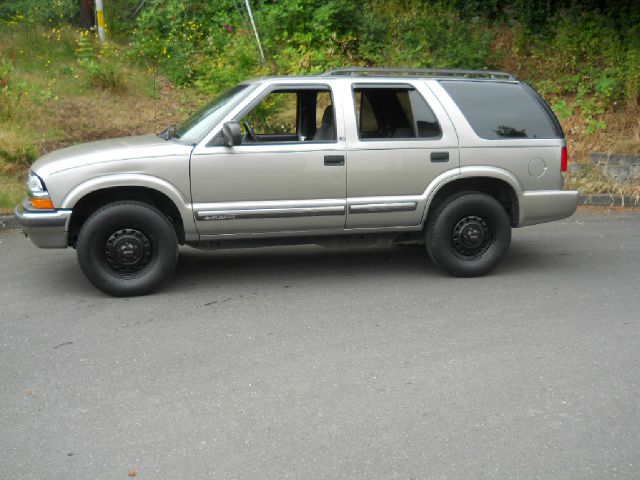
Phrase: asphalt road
pixel 313 363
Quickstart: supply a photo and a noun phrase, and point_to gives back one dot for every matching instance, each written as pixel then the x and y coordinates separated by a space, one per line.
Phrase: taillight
pixel 563 160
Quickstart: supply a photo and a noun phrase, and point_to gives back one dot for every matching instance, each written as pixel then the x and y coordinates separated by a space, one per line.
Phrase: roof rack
pixel 424 72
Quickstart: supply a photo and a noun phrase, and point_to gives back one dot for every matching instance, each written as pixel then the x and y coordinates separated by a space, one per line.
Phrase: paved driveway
pixel 315 363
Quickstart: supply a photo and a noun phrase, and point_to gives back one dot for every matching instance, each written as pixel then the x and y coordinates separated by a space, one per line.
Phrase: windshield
pixel 201 122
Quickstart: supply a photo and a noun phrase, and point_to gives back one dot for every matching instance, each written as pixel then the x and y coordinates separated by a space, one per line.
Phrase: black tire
pixel 127 249
pixel 468 234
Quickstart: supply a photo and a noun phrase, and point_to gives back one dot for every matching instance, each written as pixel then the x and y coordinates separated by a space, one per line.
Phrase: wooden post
pixel 86 17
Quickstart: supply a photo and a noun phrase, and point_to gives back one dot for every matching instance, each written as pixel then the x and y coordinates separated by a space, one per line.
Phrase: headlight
pixel 34 184
pixel 38 194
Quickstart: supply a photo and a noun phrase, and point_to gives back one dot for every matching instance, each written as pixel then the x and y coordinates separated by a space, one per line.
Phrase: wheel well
pixel 91 202
pixel 498 189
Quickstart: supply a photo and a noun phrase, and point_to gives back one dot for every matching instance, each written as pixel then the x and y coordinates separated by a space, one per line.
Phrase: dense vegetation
pixel 582 55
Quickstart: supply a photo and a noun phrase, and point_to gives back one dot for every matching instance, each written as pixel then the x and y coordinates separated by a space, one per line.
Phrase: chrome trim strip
pixel 383 207
pixel 306 233
pixel 363 145
pixel 242 214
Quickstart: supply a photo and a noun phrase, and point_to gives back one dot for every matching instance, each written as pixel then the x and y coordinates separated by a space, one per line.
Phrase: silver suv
pixel 449 158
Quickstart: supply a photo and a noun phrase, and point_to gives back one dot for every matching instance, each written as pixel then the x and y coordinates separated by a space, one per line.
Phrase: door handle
pixel 439 156
pixel 333 160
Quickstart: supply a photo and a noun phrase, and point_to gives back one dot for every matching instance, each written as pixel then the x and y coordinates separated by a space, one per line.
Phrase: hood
pixel 125 148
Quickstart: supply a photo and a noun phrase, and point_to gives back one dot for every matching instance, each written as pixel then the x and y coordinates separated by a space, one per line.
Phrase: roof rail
pixel 424 72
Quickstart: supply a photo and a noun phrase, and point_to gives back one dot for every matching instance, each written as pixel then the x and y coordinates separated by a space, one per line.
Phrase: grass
pixel 12 190
pixel 59 87
pixel 591 180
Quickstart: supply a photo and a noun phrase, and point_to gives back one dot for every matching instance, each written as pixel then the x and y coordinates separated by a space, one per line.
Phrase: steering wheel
pixel 251 135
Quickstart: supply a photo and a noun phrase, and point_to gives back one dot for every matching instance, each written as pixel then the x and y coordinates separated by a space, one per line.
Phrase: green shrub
pixel 585 64
pixel 39 11
pixel 192 42
pixel 175 36
pixel 562 109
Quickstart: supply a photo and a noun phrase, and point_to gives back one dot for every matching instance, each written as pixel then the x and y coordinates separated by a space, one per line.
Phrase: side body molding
pixel 137 180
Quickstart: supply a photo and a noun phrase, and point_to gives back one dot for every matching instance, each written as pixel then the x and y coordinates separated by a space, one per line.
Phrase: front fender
pixel 135 180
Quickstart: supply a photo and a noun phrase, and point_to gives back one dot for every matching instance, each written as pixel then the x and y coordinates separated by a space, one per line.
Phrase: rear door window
pixel 502 111
pixel 394 113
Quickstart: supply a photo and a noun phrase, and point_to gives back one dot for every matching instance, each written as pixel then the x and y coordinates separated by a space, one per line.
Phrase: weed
pixel 562 109
pixel 106 75
pixel 85 52
pixel 590 179
pixel 12 190
pixel 16 151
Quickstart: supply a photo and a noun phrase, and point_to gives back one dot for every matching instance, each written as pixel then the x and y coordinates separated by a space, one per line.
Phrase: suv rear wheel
pixel 127 248
pixel 468 234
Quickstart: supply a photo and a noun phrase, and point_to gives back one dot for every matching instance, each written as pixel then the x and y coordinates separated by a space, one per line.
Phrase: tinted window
pixel 501 110
pixel 399 113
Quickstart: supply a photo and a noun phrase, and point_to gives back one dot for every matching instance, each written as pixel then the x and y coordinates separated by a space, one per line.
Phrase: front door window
pixel 290 116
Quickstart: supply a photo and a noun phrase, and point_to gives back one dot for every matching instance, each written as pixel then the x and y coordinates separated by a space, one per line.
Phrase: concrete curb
pixel 608 200
pixel 8 222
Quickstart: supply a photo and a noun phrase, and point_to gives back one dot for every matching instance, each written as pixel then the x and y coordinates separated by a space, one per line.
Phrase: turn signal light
pixel 44 203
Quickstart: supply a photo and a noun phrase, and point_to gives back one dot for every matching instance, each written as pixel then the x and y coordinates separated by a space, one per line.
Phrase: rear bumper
pixel 45 228
pixel 546 205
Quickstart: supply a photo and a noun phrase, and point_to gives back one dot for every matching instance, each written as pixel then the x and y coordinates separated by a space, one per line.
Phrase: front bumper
pixel 45 228
pixel 541 206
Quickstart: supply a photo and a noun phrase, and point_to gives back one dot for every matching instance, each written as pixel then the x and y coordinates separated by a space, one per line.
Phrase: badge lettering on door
pixel 219 217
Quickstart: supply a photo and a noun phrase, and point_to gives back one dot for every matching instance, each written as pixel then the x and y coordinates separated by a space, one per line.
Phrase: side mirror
pixel 231 134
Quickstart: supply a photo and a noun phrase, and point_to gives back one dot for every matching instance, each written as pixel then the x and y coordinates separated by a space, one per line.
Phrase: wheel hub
pixel 127 251
pixel 471 236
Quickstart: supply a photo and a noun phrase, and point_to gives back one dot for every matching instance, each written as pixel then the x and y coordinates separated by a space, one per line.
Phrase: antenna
pixel 155 102
pixel 255 30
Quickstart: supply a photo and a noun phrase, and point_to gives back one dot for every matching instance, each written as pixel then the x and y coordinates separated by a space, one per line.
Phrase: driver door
pixel 287 175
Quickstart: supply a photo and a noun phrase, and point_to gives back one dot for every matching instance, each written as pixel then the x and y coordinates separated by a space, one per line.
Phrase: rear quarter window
pixel 503 111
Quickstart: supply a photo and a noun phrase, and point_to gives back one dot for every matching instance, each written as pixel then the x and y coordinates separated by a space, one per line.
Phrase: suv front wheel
pixel 468 234
pixel 127 248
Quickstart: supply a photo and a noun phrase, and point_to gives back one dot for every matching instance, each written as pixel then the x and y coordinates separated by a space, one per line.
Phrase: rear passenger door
pixel 399 139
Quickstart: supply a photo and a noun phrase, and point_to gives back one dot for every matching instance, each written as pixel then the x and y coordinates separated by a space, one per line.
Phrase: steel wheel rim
pixel 472 236
pixel 128 253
